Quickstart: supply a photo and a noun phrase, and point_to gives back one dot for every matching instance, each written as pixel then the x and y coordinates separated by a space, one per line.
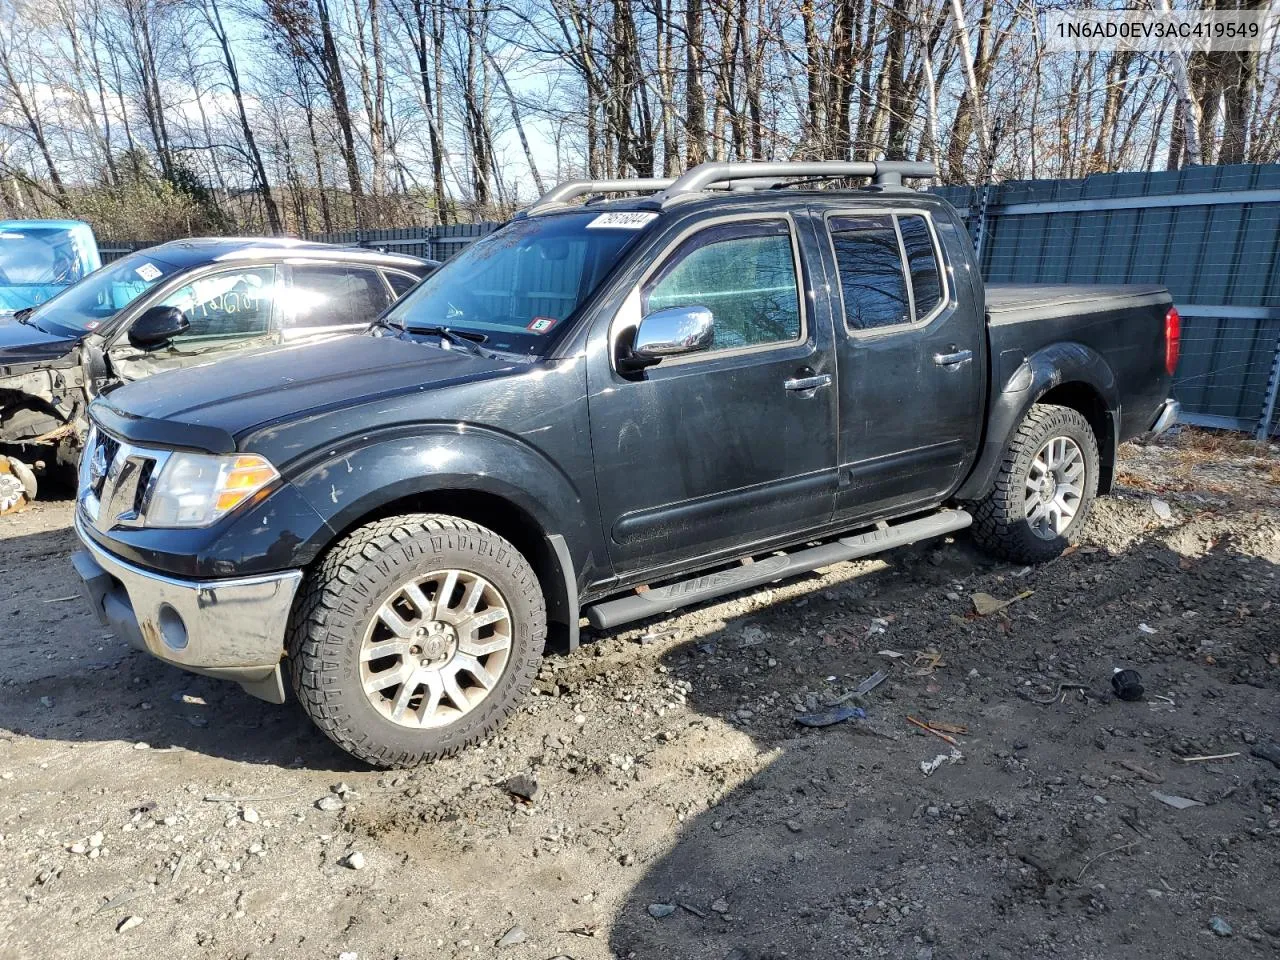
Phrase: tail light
pixel 1172 339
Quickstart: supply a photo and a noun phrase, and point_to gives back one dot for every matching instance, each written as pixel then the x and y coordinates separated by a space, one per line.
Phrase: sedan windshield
pixel 517 287
pixel 101 295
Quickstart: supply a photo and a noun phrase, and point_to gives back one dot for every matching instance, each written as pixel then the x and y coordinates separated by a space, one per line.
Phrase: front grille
pixel 114 478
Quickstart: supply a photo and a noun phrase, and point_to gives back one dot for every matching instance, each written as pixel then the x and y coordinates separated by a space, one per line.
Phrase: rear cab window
pixel 889 269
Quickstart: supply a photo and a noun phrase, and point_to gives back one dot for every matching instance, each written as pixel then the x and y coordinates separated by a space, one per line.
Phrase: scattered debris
pixel 1211 756
pixel 937 733
pixel 1178 803
pixel 958 728
pixel 1161 509
pixel 660 911
pixel 928 766
pixel 692 909
pixel 1146 629
pixel 74 596
pixel 353 860
pixel 1135 767
pixel 249 815
pixel 891 654
pixel 1127 684
pixel 512 937
pixel 869 684
pixel 1061 691
pixel 831 716
pixel 1220 927
pixel 524 787
pixel 926 662
pixel 1099 856
pixel 984 604
pixel 128 923
pixel 1268 751
pixel 330 802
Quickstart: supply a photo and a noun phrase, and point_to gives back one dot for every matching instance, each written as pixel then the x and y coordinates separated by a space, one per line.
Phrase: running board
pixel 613 613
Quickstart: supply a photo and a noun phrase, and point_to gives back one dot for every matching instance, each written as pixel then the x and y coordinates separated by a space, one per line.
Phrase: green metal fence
pixel 1209 234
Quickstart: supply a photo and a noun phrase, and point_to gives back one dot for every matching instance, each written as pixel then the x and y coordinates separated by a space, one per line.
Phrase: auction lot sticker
pixel 148 272
pixel 541 324
pixel 631 220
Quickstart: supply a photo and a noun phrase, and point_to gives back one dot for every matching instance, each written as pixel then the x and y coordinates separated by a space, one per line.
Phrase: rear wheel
pixel 416 636
pixel 1046 484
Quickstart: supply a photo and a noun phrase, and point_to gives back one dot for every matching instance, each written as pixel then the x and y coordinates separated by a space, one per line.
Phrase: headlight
pixel 196 489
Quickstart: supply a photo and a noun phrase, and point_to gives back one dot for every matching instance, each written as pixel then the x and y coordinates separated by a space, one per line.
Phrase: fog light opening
pixel 172 629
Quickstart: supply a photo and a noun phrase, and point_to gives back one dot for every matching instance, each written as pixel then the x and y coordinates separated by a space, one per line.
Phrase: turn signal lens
pixel 246 477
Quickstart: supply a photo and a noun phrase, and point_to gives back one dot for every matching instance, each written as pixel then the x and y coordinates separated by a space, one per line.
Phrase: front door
pixel 230 310
pixel 911 363
pixel 712 452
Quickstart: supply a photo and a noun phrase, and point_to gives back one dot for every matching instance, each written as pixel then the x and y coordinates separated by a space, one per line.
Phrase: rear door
pixel 231 309
pixel 711 452
pixel 910 360
pixel 328 298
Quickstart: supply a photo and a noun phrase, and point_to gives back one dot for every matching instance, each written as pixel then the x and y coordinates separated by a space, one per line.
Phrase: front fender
pixel 348 485
pixel 1019 382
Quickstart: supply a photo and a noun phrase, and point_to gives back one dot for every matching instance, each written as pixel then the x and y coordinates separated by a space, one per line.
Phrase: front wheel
pixel 1047 481
pixel 415 637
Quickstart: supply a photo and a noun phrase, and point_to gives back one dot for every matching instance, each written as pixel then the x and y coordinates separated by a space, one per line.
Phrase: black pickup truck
pixel 602 411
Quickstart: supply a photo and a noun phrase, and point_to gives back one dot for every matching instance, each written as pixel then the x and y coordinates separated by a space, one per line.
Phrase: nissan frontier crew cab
pixel 602 411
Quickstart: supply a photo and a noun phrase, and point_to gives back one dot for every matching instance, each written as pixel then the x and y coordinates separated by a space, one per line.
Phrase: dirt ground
pixel 682 812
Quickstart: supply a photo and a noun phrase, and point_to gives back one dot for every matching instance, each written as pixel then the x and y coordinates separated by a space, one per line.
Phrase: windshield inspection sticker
pixel 622 221
pixel 148 272
pixel 541 324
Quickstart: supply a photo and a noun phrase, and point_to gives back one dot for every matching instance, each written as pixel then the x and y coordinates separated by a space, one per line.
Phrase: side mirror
pixel 157 326
pixel 670 333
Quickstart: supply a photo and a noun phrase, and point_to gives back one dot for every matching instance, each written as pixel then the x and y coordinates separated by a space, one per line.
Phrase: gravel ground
pixel 680 810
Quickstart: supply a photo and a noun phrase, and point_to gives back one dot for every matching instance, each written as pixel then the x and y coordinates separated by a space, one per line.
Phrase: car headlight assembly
pixel 197 490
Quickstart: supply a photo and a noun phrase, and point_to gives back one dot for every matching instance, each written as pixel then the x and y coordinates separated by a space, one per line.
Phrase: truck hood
pixel 209 405
pixel 23 344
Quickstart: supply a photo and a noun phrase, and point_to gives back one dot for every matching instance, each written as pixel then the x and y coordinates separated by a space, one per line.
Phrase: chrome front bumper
pixel 233 629
pixel 1168 415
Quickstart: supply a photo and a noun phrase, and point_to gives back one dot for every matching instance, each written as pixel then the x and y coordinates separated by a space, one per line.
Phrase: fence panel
pixel 1209 234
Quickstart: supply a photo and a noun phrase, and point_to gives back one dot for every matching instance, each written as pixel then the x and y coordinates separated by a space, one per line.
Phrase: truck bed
pixel 1019 302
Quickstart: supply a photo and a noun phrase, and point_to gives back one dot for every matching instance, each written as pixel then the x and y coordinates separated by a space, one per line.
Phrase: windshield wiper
pixel 22 315
pixel 466 339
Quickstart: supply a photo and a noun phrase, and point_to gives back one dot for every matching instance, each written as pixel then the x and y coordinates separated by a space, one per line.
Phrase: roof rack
pixel 570 189
pixel 744 176
pixel 885 173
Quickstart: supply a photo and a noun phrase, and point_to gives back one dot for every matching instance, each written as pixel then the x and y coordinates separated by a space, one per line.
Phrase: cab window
pixel 744 273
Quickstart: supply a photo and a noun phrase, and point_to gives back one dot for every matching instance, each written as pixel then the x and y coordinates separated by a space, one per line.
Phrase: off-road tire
pixel 1000 523
pixel 339 596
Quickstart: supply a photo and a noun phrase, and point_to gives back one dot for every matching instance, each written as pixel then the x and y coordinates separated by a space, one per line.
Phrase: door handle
pixel 953 359
pixel 807 383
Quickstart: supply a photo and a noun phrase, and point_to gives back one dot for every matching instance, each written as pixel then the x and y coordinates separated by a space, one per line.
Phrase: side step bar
pixel 613 613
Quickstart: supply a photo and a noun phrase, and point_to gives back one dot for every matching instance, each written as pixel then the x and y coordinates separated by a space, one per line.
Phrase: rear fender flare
pixel 1053 366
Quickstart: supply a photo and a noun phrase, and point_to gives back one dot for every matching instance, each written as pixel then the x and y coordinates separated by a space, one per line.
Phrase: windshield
pixel 101 295
pixel 519 285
